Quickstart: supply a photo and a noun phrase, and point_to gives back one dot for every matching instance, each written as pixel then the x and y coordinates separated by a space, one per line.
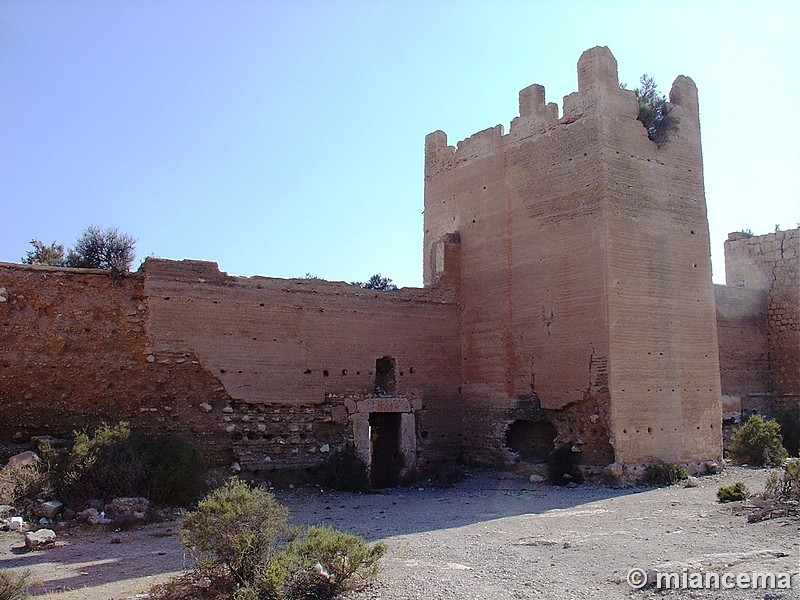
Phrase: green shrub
pixel 655 113
pixel 733 493
pixel 322 564
pixel 177 471
pixel 14 586
pixel 786 486
pixel 346 471
pixel 104 464
pixel 246 551
pixel 236 529
pixel 758 442
pixel 114 461
pixel 663 474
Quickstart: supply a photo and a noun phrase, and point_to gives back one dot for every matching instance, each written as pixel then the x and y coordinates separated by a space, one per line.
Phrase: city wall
pixel 759 326
pixel 271 373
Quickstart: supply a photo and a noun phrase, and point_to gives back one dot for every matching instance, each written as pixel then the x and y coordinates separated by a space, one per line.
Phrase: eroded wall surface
pixel 744 358
pixel 269 372
pixel 74 353
pixel 585 275
pixel 771 263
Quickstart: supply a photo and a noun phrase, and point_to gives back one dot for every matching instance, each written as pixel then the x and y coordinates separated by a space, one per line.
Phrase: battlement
pixel 599 94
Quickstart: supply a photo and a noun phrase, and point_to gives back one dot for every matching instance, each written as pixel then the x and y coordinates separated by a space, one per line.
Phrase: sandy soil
pixel 492 536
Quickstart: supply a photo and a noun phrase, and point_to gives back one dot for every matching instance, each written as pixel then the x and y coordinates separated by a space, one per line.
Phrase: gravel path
pixel 496 536
pixel 493 536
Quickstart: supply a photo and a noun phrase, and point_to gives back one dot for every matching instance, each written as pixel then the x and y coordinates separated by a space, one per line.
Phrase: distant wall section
pixel 771 263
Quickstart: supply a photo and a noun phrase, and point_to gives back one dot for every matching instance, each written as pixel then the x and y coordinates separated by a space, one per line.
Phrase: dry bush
pixel 13 585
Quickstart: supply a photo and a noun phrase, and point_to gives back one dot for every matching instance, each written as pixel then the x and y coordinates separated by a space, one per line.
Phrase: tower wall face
pixel 586 290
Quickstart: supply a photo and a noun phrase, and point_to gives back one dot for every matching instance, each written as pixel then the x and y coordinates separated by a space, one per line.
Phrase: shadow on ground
pixel 481 496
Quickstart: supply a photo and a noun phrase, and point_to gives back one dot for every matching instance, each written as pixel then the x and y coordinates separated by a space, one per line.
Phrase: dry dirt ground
pixel 492 536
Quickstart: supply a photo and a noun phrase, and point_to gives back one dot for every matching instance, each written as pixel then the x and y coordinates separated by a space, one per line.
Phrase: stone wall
pixel 772 263
pixel 74 353
pixel 743 349
pixel 568 297
pixel 254 369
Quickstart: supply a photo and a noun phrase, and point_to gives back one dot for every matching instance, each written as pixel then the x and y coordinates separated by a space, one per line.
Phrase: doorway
pixel 384 449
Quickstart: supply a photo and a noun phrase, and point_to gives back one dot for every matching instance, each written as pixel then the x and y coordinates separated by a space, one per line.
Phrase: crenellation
pixel 478 145
pixel 535 117
pixel 597 71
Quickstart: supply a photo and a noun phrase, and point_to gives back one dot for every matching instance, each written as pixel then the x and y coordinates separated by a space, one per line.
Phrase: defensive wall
pixel 568 304
pixel 271 373
pixel 758 316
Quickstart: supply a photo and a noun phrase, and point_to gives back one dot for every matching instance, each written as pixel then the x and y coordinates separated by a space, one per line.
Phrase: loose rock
pixel 127 509
pixel 48 510
pixel 23 459
pixel 40 540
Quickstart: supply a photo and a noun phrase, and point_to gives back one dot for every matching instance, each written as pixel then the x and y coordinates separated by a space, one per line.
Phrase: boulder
pixel 692 482
pixel 90 516
pixel 127 509
pixel 48 510
pixel 23 459
pixel 40 539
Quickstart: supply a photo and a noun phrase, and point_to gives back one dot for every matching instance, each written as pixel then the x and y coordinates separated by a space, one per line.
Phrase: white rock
pixel 16 523
pixel 536 478
pixel 325 448
pixel 206 407
pixel 41 539
pixel 692 482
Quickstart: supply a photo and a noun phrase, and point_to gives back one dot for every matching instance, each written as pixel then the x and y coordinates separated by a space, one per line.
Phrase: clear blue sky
pixel 285 137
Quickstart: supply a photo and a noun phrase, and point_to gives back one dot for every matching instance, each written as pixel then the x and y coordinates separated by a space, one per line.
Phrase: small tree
pixel 52 255
pixel 655 113
pixel 758 442
pixel 103 249
pixel 376 282
pixel 237 529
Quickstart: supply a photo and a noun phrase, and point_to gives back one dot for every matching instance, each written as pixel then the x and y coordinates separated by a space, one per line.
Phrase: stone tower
pixel 587 308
